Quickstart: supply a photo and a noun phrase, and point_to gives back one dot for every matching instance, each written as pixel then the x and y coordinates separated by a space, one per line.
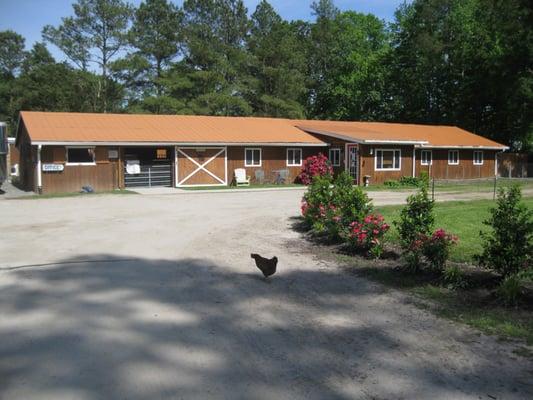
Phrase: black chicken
pixel 267 266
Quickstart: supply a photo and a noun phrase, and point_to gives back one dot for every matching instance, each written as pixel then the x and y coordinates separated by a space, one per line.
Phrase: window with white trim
pixel 294 157
pixel 80 155
pixel 453 157
pixel 252 157
pixel 426 157
pixel 335 157
pixel 478 157
pixel 388 160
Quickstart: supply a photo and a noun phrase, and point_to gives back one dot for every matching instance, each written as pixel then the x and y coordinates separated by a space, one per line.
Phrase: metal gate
pixel 156 174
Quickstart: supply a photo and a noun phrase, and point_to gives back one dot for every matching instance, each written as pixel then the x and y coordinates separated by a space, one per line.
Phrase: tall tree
pixel 215 56
pixel 278 65
pixel 11 52
pixel 156 34
pixel 96 33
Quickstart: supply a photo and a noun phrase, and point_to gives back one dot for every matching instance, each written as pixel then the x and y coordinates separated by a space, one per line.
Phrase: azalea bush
pixel 318 165
pixel 318 196
pixel 436 248
pixel 415 224
pixel 352 202
pixel 368 235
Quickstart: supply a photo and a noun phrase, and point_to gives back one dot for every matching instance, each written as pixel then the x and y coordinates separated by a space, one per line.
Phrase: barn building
pixel 63 152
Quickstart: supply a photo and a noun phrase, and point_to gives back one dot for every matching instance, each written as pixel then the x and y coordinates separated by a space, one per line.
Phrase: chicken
pixel 267 266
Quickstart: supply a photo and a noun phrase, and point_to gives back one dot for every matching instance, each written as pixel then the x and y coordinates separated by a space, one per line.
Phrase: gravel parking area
pixel 135 297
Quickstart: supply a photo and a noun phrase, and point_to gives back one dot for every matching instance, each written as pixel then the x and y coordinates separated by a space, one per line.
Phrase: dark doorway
pixel 148 166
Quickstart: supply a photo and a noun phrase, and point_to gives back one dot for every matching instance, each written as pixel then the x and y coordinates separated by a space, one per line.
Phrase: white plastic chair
pixel 241 178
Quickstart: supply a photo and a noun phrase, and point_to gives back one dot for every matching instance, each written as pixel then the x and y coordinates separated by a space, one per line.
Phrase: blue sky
pixel 28 17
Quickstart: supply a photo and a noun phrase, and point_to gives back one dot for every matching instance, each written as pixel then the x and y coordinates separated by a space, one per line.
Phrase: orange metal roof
pixel 138 128
pixel 375 132
pixel 64 127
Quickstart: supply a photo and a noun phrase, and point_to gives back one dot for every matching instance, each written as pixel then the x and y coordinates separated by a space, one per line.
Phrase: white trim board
pixel 180 144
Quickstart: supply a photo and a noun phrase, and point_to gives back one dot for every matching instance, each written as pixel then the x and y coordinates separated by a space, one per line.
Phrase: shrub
pixel 368 235
pixel 318 165
pixel 392 184
pixel 509 289
pixel 352 202
pixel 317 197
pixel 330 206
pixel 508 247
pixel 436 248
pixel 416 222
pixel 454 277
pixel 416 218
pixel 409 181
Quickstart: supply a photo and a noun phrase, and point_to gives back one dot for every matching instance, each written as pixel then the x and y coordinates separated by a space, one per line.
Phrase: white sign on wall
pixel 53 167
pixel 112 153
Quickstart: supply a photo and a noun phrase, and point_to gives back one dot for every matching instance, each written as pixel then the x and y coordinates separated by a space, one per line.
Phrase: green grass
pixel 462 218
pixel 252 186
pixel 465 186
pixel 474 308
pixel 62 195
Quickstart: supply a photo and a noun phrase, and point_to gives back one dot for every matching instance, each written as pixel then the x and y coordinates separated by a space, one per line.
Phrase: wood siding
pixel 101 177
pixel 272 159
pixel 367 163
pixel 186 167
pixel 440 169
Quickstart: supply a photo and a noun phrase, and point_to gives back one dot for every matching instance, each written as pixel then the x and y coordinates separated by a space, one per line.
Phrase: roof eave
pixel 139 143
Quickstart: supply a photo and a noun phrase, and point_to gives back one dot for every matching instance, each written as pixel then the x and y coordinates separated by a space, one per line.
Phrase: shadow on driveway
pixel 141 328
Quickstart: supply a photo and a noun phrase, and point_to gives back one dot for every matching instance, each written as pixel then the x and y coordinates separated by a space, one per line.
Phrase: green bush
pixel 392 184
pixel 318 196
pixel 416 222
pixel 454 277
pixel 436 248
pixel 509 289
pixel 330 206
pixel 409 181
pixel 508 247
pixel 353 203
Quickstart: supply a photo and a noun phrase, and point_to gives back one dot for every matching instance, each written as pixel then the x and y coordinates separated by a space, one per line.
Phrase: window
pixel 161 154
pixel 335 157
pixel 426 157
pixel 478 157
pixel 252 157
pixel 80 155
pixel 294 157
pixel 388 160
pixel 453 157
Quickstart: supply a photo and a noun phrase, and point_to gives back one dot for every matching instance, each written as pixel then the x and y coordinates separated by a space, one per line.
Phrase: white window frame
pixel 449 153
pixel 425 162
pixel 376 151
pixel 482 157
pixel 332 159
pixel 80 163
pixel 291 163
pixel 260 157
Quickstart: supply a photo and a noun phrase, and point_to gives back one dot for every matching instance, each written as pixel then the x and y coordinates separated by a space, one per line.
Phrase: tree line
pixel 461 62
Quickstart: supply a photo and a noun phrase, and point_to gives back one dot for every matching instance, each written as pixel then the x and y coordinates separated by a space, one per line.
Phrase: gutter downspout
pixel 39 170
pixel 414 161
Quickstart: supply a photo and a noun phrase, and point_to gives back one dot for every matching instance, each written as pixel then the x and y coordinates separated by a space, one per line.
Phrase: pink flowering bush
pixel 436 248
pixel 318 165
pixel 368 234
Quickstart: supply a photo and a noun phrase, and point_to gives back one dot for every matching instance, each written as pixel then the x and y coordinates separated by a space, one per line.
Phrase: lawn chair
pixel 241 178
pixel 283 176
pixel 259 176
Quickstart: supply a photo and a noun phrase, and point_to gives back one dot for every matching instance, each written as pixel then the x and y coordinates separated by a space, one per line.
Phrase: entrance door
pixel 148 166
pixel 353 162
pixel 201 166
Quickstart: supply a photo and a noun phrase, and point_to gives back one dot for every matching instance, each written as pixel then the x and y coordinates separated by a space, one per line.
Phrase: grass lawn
pixel 467 186
pixel 475 306
pixel 462 218
pixel 60 195
pixel 252 186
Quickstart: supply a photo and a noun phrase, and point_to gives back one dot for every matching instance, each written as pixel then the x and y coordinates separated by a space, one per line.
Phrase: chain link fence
pixel 486 188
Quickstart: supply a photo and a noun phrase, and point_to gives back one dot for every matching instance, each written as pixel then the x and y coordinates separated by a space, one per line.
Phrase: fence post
pixel 433 189
pixel 494 193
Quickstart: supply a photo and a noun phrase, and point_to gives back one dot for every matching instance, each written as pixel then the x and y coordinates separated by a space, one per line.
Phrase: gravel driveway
pixel 148 297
